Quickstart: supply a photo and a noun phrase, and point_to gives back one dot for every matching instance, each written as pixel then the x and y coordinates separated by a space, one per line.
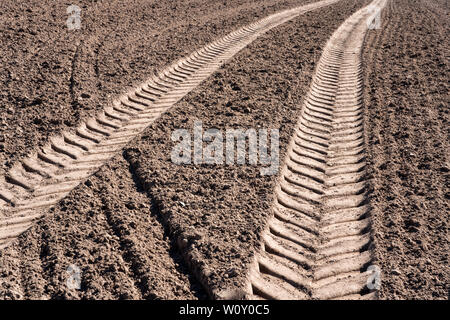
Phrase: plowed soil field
pixel 88 181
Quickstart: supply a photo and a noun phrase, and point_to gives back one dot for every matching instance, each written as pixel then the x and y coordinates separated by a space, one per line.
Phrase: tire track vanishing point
pixel 50 173
pixel 317 244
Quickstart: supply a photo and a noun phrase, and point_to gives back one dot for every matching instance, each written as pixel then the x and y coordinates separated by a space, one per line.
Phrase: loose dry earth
pixel 52 77
pixel 407 124
pixel 145 228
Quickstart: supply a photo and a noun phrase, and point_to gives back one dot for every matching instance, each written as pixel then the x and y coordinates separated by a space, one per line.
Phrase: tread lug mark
pixel 321 218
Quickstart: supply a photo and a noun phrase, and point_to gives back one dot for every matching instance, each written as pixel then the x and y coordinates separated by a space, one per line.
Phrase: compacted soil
pixel 145 228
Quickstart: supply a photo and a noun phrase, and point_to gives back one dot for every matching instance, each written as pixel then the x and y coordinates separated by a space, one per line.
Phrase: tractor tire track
pixel 317 244
pixel 50 173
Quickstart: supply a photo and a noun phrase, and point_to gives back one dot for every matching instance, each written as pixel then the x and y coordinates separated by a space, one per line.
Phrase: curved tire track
pixel 317 244
pixel 50 173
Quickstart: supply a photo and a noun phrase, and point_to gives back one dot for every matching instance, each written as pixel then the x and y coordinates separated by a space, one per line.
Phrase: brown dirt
pixel 52 77
pixel 144 228
pixel 407 125
pixel 110 229
pixel 262 94
pixel 220 211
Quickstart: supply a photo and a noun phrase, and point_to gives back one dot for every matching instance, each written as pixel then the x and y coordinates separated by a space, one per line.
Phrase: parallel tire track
pixel 317 244
pixel 50 173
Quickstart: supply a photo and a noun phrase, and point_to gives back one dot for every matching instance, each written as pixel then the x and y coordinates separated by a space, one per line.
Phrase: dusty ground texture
pixel 224 207
pixel 217 211
pixel 109 229
pixel 51 76
pixel 407 121
pixel 144 228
